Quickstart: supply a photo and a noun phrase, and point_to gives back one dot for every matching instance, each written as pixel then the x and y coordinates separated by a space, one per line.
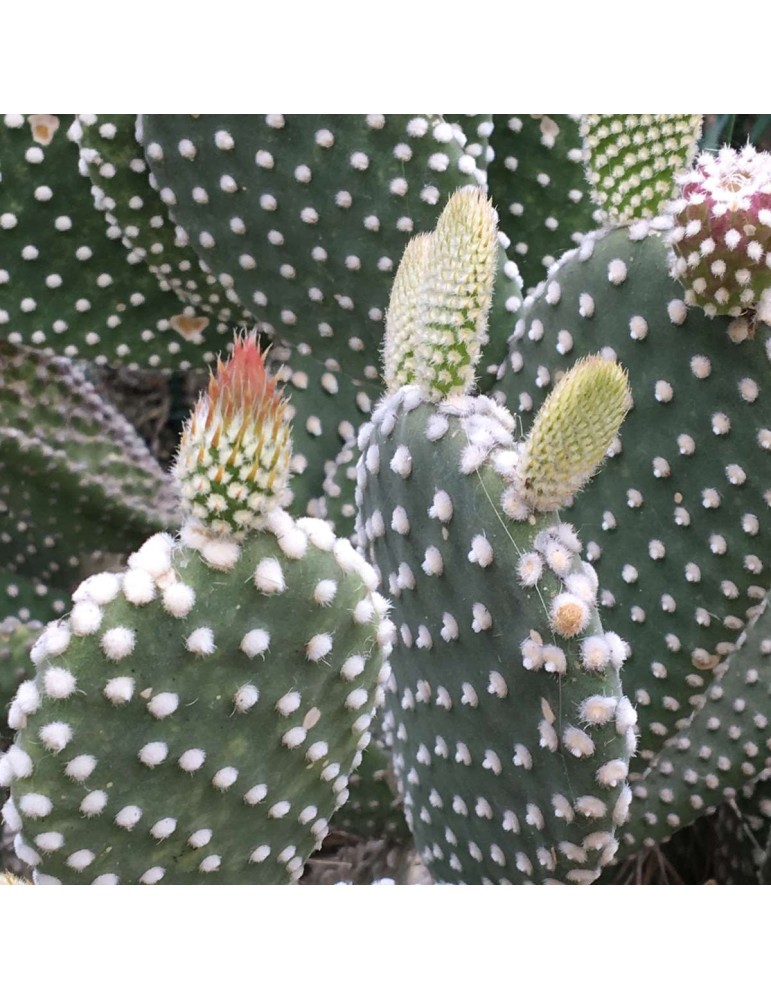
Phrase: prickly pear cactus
pixel 676 526
pixel 686 502
pixel 509 729
pixel 632 161
pixel 67 282
pixel 538 186
pixel 196 718
pixel 75 478
pixel 306 218
pixel 114 161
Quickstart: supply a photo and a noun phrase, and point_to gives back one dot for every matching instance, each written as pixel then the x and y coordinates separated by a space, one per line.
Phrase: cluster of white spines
pixel 437 319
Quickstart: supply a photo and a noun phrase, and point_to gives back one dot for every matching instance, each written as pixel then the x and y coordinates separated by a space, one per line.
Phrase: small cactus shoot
pixel 722 236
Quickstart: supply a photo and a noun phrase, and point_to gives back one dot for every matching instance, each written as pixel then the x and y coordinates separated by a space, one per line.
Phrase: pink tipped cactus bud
pixel 721 241
pixel 233 462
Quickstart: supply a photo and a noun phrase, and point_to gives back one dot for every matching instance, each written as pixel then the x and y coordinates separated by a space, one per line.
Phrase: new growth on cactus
pixel 235 452
pixel 437 318
pixel 497 620
pixel 631 161
pixel 721 240
pixel 518 699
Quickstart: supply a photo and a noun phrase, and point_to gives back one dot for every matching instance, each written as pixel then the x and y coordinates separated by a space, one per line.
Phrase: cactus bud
pixel 437 317
pixel 721 242
pixel 570 436
pixel 233 462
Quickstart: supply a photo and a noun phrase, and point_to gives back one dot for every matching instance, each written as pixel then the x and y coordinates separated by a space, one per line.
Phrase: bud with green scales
pixel 505 715
pixel 234 457
pixel 196 718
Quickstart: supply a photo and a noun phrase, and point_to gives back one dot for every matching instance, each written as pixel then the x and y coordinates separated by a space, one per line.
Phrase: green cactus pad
pixel 115 163
pixel 196 719
pixel 74 475
pixel 64 282
pixel 327 408
pixel 509 731
pixel 537 183
pixel 675 524
pixel 721 749
pixel 306 217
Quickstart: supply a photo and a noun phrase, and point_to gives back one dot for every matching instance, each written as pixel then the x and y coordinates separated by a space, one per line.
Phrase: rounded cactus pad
pixel 632 160
pixel 721 242
pixel 67 283
pixel 234 456
pixel 196 718
pixel 675 523
pixel 305 217
pixel 509 729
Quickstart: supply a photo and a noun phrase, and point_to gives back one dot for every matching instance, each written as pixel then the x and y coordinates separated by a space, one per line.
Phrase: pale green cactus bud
pixel 233 462
pixel 571 435
pixel 632 161
pixel 437 322
pixel 404 311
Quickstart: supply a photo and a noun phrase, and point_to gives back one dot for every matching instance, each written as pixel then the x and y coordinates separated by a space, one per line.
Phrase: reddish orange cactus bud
pixel 233 460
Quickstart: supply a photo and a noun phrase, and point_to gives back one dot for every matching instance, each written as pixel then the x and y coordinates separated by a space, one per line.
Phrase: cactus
pixel 148 267
pixel 632 161
pixel 676 526
pixel 509 729
pixel 66 283
pixel 538 185
pixel 196 718
pixel 88 482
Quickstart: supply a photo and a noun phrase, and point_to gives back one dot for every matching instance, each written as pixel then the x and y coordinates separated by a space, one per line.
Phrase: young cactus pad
pixel 570 437
pixel 196 718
